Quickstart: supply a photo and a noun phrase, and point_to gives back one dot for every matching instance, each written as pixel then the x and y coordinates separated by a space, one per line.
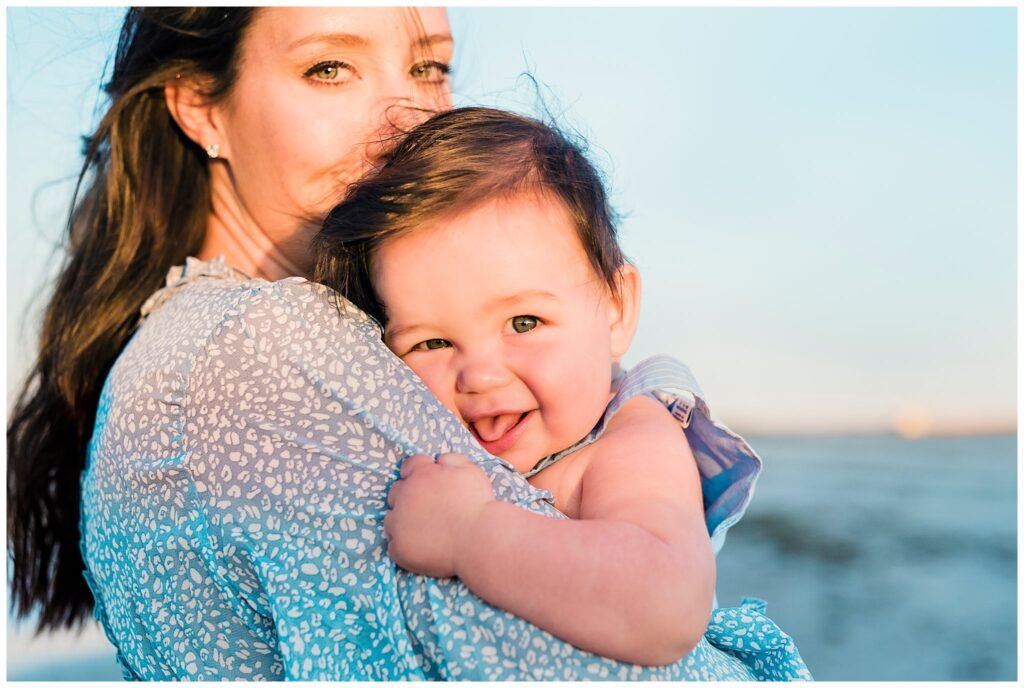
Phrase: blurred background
pixel 822 203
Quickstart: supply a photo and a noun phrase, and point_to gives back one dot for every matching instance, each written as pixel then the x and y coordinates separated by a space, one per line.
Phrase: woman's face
pixel 316 92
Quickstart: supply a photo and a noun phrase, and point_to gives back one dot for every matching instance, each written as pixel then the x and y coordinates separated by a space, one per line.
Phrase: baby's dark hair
pixel 451 162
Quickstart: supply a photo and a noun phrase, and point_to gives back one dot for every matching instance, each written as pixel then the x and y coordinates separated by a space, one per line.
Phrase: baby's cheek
pixel 435 378
pixel 579 391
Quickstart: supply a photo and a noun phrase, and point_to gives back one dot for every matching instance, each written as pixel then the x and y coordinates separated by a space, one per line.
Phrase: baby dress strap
pixel 727 465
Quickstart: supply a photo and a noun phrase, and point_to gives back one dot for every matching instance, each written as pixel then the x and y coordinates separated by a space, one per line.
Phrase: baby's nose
pixel 482 374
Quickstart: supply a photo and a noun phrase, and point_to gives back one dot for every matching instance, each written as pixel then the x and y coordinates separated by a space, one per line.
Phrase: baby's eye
pixel 432 344
pixel 524 323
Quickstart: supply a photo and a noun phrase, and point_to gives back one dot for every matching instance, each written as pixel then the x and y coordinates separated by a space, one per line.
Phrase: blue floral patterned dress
pixel 234 493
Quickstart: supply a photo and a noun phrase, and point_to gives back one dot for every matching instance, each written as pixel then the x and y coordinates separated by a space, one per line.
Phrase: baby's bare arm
pixel 633 578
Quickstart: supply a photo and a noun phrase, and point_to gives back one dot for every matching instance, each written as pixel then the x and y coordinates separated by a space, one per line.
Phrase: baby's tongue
pixel 493 427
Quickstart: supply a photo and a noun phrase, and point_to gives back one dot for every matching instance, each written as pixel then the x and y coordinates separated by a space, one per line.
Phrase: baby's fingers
pixel 396 487
pixel 413 463
pixel 453 460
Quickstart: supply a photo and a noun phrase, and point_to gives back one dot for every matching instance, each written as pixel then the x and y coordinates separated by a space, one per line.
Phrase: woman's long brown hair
pixel 140 207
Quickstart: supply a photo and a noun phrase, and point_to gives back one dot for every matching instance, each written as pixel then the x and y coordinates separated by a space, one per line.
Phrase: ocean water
pixel 884 558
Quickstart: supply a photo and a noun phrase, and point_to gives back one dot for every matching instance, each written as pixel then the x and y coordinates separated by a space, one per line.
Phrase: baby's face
pixel 499 311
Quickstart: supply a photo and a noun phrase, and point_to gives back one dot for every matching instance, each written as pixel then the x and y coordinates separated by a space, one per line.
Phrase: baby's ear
pixel 624 310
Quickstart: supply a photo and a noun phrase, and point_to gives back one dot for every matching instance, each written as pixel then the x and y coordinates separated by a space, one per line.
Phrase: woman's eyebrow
pixel 433 39
pixel 350 40
pixel 354 40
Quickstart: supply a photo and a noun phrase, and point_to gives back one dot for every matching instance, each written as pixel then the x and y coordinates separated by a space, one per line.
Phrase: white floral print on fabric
pixel 232 505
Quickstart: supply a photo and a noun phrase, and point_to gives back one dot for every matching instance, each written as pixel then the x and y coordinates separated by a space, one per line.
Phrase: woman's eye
pixel 431 70
pixel 330 71
pixel 432 344
pixel 524 323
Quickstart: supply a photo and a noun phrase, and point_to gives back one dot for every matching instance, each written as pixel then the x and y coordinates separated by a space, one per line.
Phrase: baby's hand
pixel 433 507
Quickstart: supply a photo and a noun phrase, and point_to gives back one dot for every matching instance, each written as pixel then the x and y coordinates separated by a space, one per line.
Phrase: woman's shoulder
pixel 206 293
pixel 202 299
pixel 207 310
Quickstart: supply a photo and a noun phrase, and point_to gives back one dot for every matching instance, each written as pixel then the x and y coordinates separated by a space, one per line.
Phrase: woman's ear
pixel 624 310
pixel 196 115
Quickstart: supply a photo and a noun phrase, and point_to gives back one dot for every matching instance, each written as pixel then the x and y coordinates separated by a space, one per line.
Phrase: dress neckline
pixel 193 270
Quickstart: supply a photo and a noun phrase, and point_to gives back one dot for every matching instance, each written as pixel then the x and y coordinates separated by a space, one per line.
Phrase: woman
pixel 239 441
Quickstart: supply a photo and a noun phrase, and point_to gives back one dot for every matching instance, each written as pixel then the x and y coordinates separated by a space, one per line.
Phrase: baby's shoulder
pixel 642 432
pixel 642 459
pixel 640 417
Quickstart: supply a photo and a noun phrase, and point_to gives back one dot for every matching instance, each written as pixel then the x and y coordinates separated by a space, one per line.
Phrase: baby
pixel 487 250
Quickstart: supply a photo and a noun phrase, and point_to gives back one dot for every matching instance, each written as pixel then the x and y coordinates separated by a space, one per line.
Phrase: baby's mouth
pixel 492 428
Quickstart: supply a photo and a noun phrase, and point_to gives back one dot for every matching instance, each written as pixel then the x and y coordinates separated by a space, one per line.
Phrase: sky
pixel 821 201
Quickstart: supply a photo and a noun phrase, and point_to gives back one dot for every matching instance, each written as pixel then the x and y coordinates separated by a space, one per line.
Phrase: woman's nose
pixel 397 116
pixel 482 374
pixel 403 114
